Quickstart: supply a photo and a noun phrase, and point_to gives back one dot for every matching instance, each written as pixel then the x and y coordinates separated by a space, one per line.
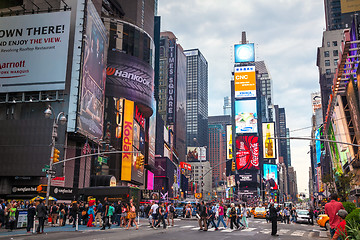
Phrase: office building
pixel 227 106
pixel 338 13
pixel 265 88
pixel 196 98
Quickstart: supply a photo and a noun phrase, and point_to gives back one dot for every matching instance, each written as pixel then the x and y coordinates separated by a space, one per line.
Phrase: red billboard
pixel 247 152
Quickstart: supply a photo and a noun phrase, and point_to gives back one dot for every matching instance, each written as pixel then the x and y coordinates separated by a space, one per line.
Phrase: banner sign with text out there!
pixel 247 152
pixel 245 82
pixel 127 140
pixel 34 50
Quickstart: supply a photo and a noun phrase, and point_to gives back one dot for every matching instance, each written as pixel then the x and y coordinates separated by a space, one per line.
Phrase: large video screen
pixel 90 120
pixel 245 82
pixel 271 175
pixel 247 152
pixel 269 143
pixel 244 53
pixel 246 116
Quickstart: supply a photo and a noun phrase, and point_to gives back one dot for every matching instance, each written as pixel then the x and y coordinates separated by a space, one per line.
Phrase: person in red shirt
pixel 331 209
pixel 340 231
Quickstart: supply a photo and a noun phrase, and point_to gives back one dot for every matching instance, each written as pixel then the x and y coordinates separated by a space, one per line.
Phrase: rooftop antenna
pixel 243 37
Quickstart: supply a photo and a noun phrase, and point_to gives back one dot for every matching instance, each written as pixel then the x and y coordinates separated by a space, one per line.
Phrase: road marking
pixel 266 231
pixel 323 234
pixel 283 231
pixel 298 233
pixel 248 229
pixel 227 230
pixel 312 234
pixel 211 230
pixel 186 226
pixel 196 228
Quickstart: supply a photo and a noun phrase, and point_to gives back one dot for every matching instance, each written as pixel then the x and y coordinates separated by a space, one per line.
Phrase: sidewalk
pixel 49 229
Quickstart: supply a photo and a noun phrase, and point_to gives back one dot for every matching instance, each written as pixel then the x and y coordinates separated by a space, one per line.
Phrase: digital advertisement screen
pixel 247 152
pixel 90 118
pixel 271 175
pixel 229 151
pixel 150 181
pixel 192 154
pixel 269 143
pixel 318 146
pixel 246 116
pixel 245 82
pixel 244 53
pixel 34 51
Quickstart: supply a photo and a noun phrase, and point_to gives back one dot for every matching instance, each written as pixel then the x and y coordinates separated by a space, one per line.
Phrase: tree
pixel 343 184
pixel 329 181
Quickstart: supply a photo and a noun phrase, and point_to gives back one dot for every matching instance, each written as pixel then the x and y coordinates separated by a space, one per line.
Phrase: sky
pixel 286 34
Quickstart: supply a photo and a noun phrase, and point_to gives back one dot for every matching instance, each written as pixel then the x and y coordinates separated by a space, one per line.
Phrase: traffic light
pixel 142 161
pixel 233 166
pixel 138 162
pixel 56 155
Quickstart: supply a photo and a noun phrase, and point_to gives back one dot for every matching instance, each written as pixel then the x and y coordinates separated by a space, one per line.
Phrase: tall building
pixel 281 132
pixel 327 59
pixel 172 90
pixel 292 183
pixel 266 88
pixel 288 146
pixel 217 146
pixel 227 106
pixel 196 98
pixel 338 13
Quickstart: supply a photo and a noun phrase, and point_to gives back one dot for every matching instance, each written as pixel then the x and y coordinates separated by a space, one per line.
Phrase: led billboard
pixel 246 116
pixel 229 152
pixel 269 143
pixel 171 82
pixel 192 154
pixel 318 146
pixel 247 152
pixel 245 82
pixel 150 180
pixel 271 175
pixel 244 53
pixel 348 6
pixel 90 117
pixel 127 141
pixel 34 51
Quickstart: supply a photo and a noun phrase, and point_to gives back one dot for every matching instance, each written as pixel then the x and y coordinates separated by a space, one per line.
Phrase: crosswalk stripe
pixel 284 230
pixel 323 234
pixel 186 226
pixel 227 230
pixel 298 233
pixel 196 228
pixel 248 229
pixel 266 231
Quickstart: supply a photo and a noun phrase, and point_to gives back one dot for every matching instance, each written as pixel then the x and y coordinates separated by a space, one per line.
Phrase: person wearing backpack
pixel 54 214
pixel 232 216
pixel 161 216
pixel 171 211
pixel 203 216
pixel 211 217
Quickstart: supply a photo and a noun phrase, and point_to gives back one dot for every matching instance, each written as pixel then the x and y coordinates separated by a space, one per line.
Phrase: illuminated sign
pixel 231 181
pixel 245 178
pixel 186 166
pixel 244 53
pixel 246 116
pixel 348 6
pixel 127 140
pixel 318 146
pixel 268 141
pixel 271 175
pixel 171 82
pixel 247 152
pixel 150 180
pixel 229 151
pixel 245 82
pixel 139 117
pixel 34 51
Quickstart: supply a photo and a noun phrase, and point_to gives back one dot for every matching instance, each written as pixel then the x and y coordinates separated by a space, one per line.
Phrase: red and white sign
pixel 58 182
pixel 247 152
pixel 185 166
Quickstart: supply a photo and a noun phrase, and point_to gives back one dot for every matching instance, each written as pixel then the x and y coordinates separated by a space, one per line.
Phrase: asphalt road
pixel 185 230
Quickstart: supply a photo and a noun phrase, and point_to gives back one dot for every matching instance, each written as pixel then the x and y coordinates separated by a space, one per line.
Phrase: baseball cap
pixel 342 213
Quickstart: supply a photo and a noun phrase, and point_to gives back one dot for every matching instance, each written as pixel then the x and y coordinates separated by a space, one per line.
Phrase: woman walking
pixel 244 215
pixel 221 216
pixel 132 216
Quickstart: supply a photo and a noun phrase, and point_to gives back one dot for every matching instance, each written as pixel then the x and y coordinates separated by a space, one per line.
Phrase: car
pixel 260 212
pixel 323 221
pixel 302 216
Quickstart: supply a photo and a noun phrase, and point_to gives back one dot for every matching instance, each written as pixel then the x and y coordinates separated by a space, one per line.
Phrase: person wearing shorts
pixel 170 210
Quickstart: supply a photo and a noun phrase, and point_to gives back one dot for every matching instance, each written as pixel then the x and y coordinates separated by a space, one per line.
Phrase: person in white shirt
pixel 153 212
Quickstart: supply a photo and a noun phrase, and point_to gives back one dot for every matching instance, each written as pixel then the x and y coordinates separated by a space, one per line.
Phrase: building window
pixel 327 62
pixel 328 44
pixel 328 71
pixel 326 53
pixel 334 43
pixel 335 62
pixel 335 53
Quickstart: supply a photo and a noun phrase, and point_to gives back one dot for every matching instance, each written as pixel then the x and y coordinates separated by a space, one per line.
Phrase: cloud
pixel 286 33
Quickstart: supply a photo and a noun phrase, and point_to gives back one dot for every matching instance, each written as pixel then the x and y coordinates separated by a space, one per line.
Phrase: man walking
pixel 98 214
pixel 331 209
pixel 273 219
pixel 30 217
pixel 161 216
pixel 153 213
pixel 41 213
pixel 203 216
pixel 171 211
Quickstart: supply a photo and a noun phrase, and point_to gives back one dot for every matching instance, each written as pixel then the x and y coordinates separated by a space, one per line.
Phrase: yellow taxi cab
pixel 323 221
pixel 260 212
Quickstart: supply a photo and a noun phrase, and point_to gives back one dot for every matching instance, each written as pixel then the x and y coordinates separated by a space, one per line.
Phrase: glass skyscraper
pixel 196 98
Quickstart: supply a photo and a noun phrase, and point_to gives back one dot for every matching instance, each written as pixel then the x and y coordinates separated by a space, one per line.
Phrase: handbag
pixel 83 213
pixel 132 215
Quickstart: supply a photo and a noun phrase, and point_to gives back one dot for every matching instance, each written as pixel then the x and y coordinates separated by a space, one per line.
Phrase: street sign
pixel 44 170
pixel 52 172
pixel 47 166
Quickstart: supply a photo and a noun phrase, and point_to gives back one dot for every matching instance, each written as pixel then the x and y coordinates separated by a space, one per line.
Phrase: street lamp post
pixel 62 119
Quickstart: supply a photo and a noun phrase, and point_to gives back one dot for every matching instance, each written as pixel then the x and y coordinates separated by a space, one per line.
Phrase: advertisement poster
pixel 318 146
pixel 136 139
pixel 271 175
pixel 229 151
pixel 268 140
pixel 245 82
pixel 231 181
pixel 244 53
pixel 127 141
pixel 34 51
pixel 192 154
pixel 90 119
pixel 247 152
pixel 245 116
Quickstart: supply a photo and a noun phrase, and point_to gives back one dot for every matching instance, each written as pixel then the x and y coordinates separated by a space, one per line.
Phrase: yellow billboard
pixel 127 141
pixel 245 82
pixel 268 140
pixel 348 6
pixel 229 142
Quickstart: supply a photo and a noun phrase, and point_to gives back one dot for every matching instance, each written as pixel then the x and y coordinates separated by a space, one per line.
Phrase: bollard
pixel 138 219
pixel 77 223
pixel 34 225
